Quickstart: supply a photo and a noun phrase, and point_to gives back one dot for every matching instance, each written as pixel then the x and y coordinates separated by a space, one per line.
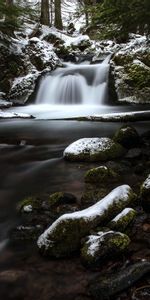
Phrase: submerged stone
pixel 93 149
pixel 104 243
pixel 127 136
pixel 104 287
pixel 64 235
pixel 121 221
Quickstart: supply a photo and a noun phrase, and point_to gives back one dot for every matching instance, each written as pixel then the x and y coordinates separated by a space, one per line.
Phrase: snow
pixel 88 145
pixel 122 214
pixel 120 193
pixel 95 241
pixel 5 104
pixel 27 208
pixel 146 183
pixel 117 116
pixel 10 115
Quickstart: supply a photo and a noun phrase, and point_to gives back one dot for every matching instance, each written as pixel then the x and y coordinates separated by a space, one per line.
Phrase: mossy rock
pixel 145 194
pixel 102 245
pixel 138 76
pixel 122 59
pixel 64 236
pixel 93 149
pixel 61 198
pixel 100 174
pixel 123 220
pixel 127 136
pixel 92 194
pixel 33 201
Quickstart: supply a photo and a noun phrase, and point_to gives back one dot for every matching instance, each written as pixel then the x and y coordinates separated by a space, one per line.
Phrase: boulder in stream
pixel 93 149
pixel 64 236
pixel 104 287
pixel 127 136
pixel 101 245
pixel 101 174
pixel 121 221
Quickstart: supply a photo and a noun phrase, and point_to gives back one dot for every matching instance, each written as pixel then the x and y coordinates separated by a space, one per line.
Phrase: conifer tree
pixel 44 19
pixel 58 17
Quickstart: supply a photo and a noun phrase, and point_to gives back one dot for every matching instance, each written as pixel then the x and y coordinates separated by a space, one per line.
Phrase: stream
pixel 31 162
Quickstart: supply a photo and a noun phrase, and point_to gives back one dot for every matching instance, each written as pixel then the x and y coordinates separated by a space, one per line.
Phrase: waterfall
pixel 75 84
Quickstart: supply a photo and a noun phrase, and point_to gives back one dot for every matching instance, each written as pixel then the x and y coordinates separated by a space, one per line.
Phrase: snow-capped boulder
pixel 101 245
pixel 64 235
pixel 145 194
pixel 121 221
pixel 131 71
pixel 93 149
pixel 127 136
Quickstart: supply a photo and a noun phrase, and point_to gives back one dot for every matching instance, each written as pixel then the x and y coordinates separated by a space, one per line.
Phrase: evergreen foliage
pixel 128 15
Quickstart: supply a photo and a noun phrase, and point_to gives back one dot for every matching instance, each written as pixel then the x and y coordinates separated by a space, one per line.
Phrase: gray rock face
pixel 93 149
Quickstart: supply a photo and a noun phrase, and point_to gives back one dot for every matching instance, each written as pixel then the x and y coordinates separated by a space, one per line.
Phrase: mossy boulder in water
pixel 64 235
pixel 127 136
pixel 28 202
pixel 100 174
pixel 93 149
pixel 145 194
pixel 104 243
pixel 121 221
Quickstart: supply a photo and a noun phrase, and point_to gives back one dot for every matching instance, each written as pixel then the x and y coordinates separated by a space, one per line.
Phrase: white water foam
pixel 75 84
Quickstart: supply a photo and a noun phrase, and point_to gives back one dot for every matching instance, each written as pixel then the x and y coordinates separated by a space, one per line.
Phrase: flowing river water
pixel 31 161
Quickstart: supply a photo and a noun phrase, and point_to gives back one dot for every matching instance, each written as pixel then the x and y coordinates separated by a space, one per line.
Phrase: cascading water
pixel 75 84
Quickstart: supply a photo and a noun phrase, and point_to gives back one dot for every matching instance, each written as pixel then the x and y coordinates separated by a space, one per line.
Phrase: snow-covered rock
pixel 145 194
pixel 102 245
pixel 121 221
pixel 27 208
pixel 93 149
pixel 5 104
pixel 13 115
pixel 64 235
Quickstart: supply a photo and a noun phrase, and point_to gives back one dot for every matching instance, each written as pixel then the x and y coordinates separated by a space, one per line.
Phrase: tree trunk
pixel 9 2
pixel 58 18
pixel 45 12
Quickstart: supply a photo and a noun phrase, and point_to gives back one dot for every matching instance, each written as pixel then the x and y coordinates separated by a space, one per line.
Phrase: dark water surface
pixel 31 162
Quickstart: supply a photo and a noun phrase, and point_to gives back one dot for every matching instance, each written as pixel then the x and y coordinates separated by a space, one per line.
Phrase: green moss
pixel 28 201
pixel 124 221
pixel 122 59
pixel 100 174
pixel 138 76
pixel 103 245
pixel 118 242
pixel 55 198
